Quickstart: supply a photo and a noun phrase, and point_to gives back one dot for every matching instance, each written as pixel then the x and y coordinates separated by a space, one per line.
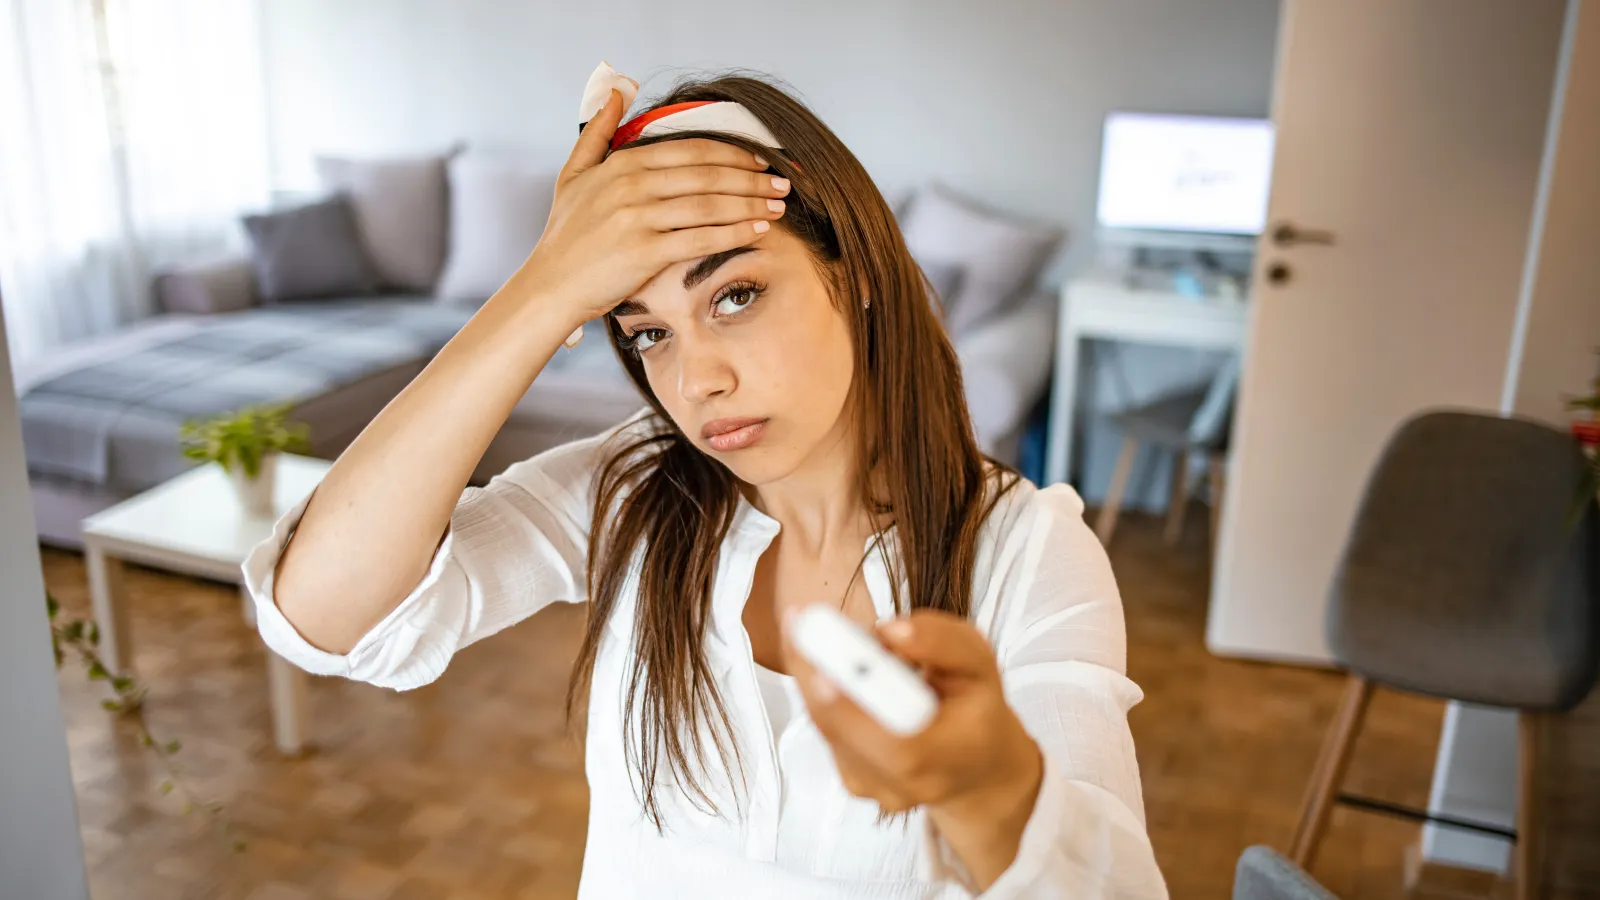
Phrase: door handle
pixel 1285 234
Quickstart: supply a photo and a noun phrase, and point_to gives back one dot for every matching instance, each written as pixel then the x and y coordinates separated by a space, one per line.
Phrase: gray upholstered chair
pixel 1189 423
pixel 1469 574
pixel 1264 874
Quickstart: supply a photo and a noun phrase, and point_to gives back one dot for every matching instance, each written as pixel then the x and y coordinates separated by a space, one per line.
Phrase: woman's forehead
pixel 777 249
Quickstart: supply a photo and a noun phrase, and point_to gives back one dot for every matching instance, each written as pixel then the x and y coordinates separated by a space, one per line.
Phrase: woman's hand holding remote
pixel 619 220
pixel 973 768
pixel 371 530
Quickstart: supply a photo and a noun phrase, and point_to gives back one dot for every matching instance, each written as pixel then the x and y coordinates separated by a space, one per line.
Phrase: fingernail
pixel 775 205
pixel 762 226
pixel 780 184
pixel 896 630
pixel 761 161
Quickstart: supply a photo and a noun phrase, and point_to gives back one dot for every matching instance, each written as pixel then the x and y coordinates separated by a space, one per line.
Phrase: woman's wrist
pixel 984 826
pixel 534 301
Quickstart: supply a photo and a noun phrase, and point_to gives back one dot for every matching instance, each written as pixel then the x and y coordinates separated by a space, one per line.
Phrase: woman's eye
pixel 734 301
pixel 645 338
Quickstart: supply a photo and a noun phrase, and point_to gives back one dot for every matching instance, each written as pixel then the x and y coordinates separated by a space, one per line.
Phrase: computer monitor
pixel 1184 181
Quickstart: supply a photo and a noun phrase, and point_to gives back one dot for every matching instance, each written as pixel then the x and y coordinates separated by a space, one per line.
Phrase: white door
pixel 1410 131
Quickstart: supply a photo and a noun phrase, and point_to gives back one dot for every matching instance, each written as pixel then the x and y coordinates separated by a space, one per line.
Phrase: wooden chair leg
pixel 1527 851
pixel 1179 504
pixel 1218 472
pixel 1106 523
pixel 1329 773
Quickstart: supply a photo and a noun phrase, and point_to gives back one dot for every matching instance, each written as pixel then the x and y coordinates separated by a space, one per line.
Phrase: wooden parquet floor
pixel 471 788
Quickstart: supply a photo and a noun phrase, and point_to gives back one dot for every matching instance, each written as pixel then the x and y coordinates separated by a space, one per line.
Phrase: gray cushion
pixel 944 279
pixel 402 214
pixel 1264 874
pixel 112 419
pixel 498 209
pixel 1000 256
pixel 309 252
pixel 205 289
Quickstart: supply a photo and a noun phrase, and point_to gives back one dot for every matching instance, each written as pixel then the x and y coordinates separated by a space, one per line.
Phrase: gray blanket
pixel 113 420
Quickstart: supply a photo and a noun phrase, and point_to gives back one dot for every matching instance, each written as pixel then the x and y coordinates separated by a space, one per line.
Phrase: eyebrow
pixel 697 273
pixel 706 266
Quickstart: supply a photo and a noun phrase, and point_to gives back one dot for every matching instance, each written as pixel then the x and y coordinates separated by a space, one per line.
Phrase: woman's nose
pixel 703 375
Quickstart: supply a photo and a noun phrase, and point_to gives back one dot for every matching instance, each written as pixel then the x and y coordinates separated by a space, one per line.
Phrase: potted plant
pixel 246 444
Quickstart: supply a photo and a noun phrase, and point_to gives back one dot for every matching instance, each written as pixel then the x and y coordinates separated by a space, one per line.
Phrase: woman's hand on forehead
pixel 620 218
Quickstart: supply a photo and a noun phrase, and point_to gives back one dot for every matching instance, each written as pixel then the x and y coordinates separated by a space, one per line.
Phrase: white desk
pixel 193 525
pixel 1100 307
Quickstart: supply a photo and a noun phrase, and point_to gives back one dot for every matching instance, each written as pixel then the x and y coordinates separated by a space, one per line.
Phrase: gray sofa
pixel 100 420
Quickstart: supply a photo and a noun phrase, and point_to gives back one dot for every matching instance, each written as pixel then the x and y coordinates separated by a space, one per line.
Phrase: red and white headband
pixel 699 115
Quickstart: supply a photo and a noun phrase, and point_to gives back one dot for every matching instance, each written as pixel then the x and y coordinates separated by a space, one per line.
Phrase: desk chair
pixel 1469 574
pixel 1263 874
pixel 1188 423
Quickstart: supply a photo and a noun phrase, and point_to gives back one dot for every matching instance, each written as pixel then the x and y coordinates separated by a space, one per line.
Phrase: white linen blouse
pixel 1043 595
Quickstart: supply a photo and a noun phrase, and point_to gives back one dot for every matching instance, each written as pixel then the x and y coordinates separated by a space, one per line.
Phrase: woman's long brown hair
pixel 659 497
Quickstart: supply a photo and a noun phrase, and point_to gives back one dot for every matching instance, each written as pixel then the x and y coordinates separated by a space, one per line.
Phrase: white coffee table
pixel 193 525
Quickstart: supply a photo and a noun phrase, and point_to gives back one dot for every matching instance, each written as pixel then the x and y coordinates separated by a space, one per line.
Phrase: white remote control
pixel 877 680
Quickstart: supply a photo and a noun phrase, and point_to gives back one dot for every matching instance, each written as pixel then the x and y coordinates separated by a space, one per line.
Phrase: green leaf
pixel 94 634
pixel 73 631
pixel 166 787
pixel 97 672
pixel 51 605
pixel 111 705
pixel 56 646
pixel 147 740
pixel 122 684
pixel 240 439
pixel 173 746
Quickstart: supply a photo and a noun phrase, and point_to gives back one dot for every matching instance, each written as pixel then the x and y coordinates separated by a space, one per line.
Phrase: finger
pixel 688 152
pixel 595 139
pixel 709 209
pixel 944 644
pixel 693 243
pixel 685 181
pixel 864 779
pixel 845 724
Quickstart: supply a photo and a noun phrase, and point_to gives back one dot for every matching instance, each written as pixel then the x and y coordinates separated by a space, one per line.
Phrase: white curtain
pixel 132 135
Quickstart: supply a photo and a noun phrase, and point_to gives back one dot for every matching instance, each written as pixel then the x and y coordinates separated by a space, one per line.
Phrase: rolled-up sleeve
pixel 1060 638
pixel 511 549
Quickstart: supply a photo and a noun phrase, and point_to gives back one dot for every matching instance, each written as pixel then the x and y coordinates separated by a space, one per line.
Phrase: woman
pixel 806 441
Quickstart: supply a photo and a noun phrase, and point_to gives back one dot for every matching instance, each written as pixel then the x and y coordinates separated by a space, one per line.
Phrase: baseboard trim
pixel 1426 880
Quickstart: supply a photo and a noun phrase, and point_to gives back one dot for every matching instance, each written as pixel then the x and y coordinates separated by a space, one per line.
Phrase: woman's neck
pixel 818 505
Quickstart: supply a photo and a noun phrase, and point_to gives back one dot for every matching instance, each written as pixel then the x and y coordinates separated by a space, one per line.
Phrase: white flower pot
pixel 255 494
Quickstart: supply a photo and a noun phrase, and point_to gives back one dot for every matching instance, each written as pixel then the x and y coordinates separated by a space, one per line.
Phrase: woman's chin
pixel 754 467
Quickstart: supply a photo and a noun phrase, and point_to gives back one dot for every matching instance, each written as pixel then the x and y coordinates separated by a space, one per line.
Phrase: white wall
pixel 41 855
pixel 1552 357
pixel 1003 99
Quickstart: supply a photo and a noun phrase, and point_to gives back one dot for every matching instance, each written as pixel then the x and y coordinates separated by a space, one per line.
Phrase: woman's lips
pixel 733 434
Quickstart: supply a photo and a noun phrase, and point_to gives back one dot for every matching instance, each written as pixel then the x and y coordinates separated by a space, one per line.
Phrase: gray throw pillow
pixel 1000 256
pixel 499 205
pixel 944 280
pixel 402 214
pixel 309 252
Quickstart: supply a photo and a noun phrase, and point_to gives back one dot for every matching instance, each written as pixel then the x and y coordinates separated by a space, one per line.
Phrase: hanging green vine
pixel 81 637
